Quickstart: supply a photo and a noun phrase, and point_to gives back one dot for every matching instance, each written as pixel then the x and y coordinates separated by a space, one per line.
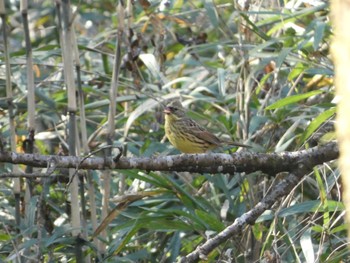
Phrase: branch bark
pixel 280 190
pixel 270 163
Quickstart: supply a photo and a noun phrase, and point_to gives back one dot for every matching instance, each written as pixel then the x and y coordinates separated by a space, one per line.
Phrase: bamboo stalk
pixel 29 142
pixel 129 15
pixel 111 120
pixel 85 148
pixel 72 108
pixel 86 151
pixel 9 94
pixel 29 67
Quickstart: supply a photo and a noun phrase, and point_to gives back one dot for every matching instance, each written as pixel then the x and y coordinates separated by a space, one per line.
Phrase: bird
pixel 188 136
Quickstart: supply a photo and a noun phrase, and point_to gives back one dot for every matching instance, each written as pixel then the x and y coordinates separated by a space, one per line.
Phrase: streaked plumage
pixel 186 135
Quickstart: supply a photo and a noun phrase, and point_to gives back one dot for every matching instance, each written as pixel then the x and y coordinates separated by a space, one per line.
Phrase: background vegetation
pixel 260 73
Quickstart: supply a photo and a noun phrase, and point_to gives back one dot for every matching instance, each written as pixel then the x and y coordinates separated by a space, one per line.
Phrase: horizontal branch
pixel 270 163
pixel 27 175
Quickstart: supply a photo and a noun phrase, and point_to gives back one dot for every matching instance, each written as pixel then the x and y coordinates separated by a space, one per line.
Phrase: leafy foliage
pixel 259 74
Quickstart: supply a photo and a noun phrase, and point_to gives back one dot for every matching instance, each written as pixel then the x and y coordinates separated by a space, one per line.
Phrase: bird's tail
pixel 238 144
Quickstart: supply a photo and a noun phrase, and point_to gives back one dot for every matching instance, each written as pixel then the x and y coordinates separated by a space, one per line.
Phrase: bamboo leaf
pixel 317 122
pixel 292 99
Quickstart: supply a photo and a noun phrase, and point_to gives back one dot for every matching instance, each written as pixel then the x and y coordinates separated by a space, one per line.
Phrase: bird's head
pixel 174 110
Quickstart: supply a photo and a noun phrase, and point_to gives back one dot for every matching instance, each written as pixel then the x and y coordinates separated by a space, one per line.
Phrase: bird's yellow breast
pixel 183 140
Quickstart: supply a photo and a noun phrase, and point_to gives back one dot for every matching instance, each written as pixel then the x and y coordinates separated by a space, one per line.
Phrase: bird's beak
pixel 167 110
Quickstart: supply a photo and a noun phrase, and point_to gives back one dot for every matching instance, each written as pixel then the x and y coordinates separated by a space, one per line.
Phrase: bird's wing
pixel 202 133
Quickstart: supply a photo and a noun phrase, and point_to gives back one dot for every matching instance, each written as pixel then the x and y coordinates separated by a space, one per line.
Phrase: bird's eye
pixel 173 108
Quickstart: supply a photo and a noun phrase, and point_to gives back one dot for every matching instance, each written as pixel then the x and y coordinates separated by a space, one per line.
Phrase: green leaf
pixel 128 236
pixel 319 32
pixel 323 199
pixel 151 178
pixel 292 99
pixel 281 58
pixel 311 206
pixel 307 246
pixel 317 122
pixel 254 28
pixel 296 71
pixel 341 228
pixel 105 102
pixel 153 66
pixel 212 13
pixel 319 71
pixel 211 220
pixel 174 246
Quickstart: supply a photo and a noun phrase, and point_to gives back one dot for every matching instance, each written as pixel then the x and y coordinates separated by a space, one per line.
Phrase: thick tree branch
pixel 27 175
pixel 270 163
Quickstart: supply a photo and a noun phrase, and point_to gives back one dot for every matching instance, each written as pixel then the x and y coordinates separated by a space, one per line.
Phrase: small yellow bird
pixel 188 136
